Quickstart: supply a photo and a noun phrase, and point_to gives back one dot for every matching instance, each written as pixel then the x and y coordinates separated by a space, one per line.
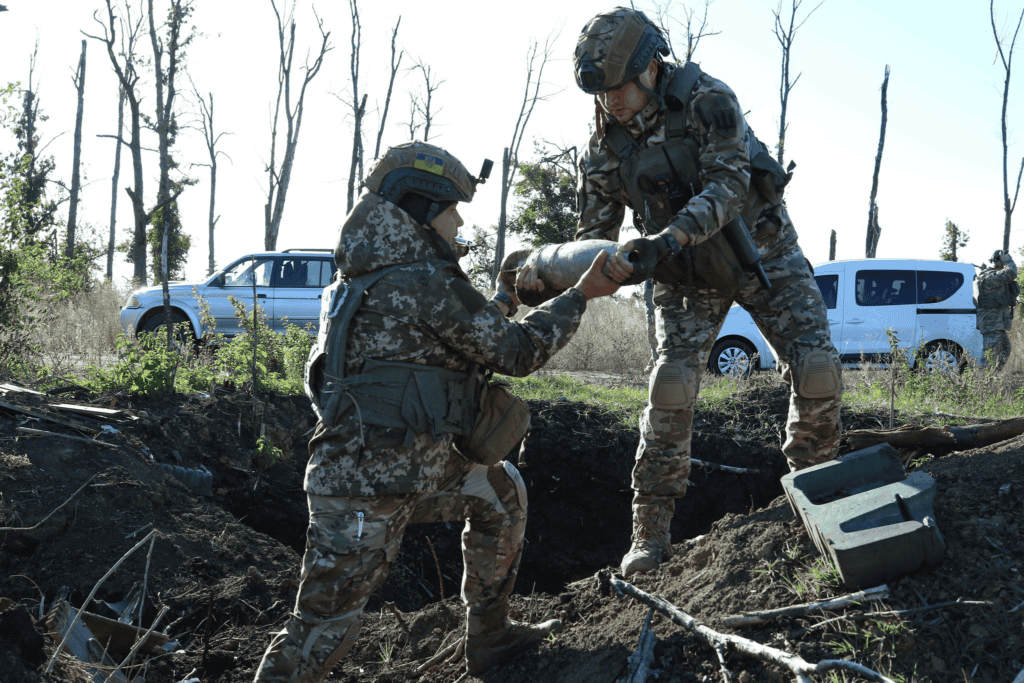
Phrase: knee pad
pixel 817 375
pixel 670 386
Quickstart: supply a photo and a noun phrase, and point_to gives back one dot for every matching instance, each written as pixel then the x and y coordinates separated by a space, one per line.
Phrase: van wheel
pixel 944 358
pixel 732 357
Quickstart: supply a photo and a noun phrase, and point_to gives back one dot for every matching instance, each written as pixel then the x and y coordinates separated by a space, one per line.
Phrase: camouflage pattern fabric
pixel 791 315
pixel 426 313
pixel 994 279
pixel 996 348
pixel 351 543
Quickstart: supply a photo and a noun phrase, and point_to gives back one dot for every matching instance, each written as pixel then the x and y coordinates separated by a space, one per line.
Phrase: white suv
pixel 927 304
pixel 289 284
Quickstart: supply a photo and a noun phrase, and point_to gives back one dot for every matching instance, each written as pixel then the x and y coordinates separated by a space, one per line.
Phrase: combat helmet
pixel 614 48
pixel 426 170
pixel 997 256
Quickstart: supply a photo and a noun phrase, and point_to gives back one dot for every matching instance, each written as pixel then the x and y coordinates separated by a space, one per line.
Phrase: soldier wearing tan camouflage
pixel 671 144
pixel 384 453
pixel 995 294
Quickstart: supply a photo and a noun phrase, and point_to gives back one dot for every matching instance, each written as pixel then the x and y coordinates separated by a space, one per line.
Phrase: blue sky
pixel 942 155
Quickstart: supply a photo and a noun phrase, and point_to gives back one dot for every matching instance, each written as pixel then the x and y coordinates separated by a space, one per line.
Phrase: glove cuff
pixel 672 246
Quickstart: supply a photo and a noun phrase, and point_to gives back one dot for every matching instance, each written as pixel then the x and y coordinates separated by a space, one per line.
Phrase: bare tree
pixel 536 60
pixel 424 106
pixel 111 242
pixel 211 138
pixel 128 77
pixel 413 126
pixel 279 178
pixel 874 229
pixel 694 27
pixel 395 63
pixel 786 36
pixel 1007 59
pixel 358 107
pixel 76 183
pixel 832 247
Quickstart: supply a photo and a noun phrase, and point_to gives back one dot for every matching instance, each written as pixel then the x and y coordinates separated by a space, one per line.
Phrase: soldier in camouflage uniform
pixel 366 482
pixel 995 294
pixel 671 144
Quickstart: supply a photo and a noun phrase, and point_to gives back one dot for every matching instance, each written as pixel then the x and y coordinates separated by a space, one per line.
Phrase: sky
pixel 942 157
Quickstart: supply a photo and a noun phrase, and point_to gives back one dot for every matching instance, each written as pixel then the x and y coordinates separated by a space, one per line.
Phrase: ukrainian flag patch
pixel 429 163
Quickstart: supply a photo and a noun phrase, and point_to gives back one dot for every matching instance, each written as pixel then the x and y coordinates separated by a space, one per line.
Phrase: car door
pixel 299 283
pixel 830 284
pixel 884 299
pixel 237 281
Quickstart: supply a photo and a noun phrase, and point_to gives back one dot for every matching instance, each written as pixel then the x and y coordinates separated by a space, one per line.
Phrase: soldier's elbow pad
pixel 818 375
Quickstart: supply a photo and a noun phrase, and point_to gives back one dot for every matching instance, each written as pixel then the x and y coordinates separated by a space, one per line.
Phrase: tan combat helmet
pixel 426 170
pixel 614 48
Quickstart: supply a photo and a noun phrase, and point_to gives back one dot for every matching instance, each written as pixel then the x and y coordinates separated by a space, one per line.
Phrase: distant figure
pixel 995 294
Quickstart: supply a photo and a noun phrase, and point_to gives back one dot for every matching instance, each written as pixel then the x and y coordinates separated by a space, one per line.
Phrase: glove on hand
pixel 647 252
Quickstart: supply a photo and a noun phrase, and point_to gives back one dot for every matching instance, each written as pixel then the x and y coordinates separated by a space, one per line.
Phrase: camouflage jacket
pixel 993 319
pixel 721 155
pixel 425 313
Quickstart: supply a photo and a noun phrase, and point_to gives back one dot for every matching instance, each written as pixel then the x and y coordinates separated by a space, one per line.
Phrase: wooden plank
pixel 61 420
pixel 92 411
pixel 19 390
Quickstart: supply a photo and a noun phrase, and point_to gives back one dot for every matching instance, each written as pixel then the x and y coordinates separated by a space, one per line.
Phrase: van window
pixel 934 286
pixel 886 287
pixel 829 286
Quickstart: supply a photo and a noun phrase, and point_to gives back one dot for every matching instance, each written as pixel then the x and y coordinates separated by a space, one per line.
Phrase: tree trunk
pixel 874 229
pixel 1007 60
pixel 138 210
pixel 499 240
pixel 951 438
pixel 832 247
pixel 112 241
pixel 69 250
pixel 357 153
pixel 213 199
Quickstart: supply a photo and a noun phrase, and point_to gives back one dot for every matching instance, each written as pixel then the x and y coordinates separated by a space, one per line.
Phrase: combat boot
pixel 484 651
pixel 651 540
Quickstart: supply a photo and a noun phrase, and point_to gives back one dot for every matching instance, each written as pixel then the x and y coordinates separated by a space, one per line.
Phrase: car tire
pixel 156 322
pixel 732 357
pixel 943 357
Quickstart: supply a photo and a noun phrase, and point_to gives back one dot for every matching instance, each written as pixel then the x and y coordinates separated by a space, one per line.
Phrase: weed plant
pixel 612 337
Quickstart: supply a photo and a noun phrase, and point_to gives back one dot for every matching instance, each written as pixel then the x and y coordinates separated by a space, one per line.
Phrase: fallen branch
pixel 398 615
pixel 40 522
pixel 640 661
pixel 719 641
pixel 889 613
pixel 724 468
pixel 70 437
pixel 957 438
pixel 763 616
pixel 92 593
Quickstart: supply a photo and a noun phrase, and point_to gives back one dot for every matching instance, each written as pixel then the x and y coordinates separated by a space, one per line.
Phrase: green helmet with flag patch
pixel 426 170
pixel 614 48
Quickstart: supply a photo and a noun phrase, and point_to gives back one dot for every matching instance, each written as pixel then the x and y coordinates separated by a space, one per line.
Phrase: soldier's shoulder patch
pixel 719 112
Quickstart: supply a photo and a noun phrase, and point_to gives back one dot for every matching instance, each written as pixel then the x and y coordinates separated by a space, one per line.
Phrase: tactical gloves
pixel 648 252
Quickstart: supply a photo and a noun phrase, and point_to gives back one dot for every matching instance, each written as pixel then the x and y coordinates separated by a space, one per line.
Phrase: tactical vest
pixel 410 396
pixel 991 294
pixel 659 181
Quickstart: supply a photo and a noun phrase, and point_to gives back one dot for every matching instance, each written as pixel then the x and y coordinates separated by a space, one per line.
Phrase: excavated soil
pixel 225 565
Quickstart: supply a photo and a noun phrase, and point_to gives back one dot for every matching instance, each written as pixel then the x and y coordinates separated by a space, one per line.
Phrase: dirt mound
pixel 225 557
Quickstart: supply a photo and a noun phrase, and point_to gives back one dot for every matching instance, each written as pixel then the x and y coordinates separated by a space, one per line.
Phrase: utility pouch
pixel 502 422
pixel 712 264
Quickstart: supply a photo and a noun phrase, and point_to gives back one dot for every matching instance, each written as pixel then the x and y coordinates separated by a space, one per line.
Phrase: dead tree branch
pixel 719 642
pixel 764 616
pixel 694 27
pixel 874 229
pixel 424 107
pixel 786 36
pixel 1006 57
pixel 278 179
pixel 395 63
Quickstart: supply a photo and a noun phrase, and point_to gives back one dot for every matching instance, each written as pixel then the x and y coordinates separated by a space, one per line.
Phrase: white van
pixel 927 304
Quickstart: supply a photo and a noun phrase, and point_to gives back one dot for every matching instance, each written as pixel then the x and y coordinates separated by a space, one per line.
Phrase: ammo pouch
pixel 503 421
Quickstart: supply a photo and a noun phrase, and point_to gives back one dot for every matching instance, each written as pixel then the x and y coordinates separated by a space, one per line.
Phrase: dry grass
pixel 612 338
pixel 81 331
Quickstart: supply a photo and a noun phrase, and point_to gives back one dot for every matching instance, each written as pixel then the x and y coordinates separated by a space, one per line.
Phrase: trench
pixel 577 468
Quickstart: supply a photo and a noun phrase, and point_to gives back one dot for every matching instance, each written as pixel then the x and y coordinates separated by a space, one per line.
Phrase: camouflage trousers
pixel 996 348
pixel 352 542
pixel 793 319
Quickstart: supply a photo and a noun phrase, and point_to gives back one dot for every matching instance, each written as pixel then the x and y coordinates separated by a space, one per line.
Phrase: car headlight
pixel 133 302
